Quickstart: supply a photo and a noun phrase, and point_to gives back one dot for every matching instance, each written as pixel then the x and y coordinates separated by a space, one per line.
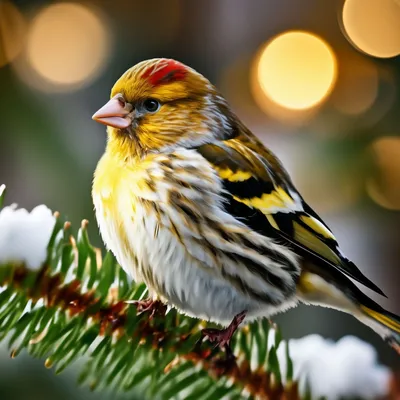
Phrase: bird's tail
pixel 345 296
pixel 383 322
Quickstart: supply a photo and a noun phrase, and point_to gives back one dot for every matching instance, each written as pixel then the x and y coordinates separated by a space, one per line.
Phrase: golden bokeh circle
pixel 296 70
pixel 67 44
pixel 373 26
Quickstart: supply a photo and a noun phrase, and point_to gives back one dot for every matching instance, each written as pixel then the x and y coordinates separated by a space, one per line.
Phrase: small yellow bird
pixel 194 205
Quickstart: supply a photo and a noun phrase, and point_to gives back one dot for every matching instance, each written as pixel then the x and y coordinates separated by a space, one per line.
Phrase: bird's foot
pixel 149 305
pixel 222 337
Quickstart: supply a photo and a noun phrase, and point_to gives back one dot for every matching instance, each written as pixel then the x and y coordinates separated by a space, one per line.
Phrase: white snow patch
pixel 24 236
pixel 347 368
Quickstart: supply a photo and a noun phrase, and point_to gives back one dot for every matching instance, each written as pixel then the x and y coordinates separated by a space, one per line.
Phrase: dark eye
pixel 151 105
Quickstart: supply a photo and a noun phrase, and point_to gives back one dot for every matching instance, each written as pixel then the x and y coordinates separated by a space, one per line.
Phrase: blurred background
pixel 317 81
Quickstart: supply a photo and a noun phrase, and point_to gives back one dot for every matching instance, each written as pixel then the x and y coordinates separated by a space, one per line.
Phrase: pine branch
pixel 79 303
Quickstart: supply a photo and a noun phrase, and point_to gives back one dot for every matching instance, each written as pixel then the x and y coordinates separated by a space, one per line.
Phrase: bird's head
pixel 161 104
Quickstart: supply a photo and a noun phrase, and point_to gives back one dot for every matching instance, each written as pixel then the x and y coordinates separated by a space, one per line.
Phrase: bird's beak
pixel 114 114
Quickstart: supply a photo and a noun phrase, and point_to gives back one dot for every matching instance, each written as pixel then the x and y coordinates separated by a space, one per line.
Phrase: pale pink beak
pixel 115 113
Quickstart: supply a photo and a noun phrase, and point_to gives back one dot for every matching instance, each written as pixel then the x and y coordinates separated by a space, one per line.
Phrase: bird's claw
pixel 222 337
pixel 149 305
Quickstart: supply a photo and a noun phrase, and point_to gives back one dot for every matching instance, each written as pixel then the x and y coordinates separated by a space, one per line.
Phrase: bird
pixel 194 205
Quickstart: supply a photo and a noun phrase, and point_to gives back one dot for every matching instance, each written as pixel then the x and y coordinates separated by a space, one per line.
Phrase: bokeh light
pixel 373 26
pixel 296 70
pixel 357 86
pixel 67 45
pixel 384 186
pixel 12 32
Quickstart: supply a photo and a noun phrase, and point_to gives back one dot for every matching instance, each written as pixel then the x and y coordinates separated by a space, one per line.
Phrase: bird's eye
pixel 151 105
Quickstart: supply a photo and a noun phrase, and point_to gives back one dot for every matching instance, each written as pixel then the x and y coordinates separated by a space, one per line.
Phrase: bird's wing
pixel 260 193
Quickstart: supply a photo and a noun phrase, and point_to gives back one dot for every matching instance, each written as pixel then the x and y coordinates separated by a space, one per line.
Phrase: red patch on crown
pixel 165 72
